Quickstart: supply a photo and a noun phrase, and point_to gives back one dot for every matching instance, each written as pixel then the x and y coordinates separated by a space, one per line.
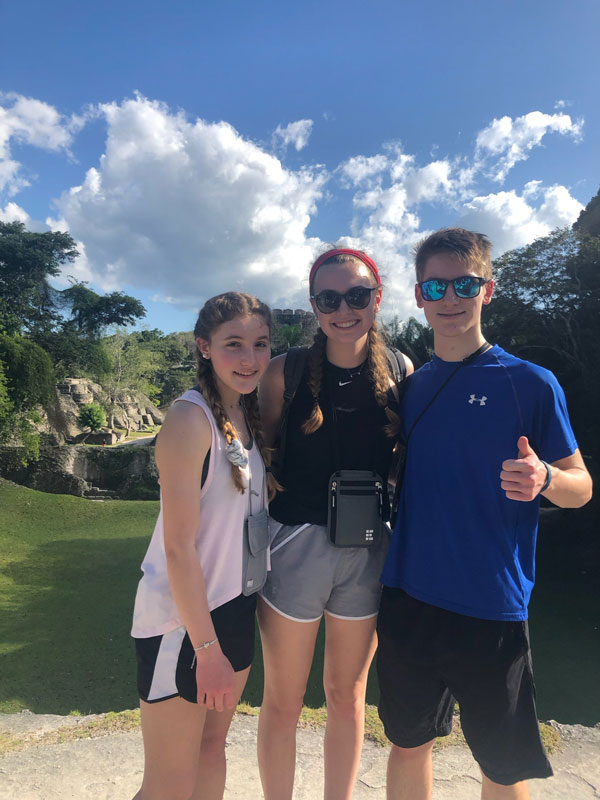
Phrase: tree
pixel 412 338
pixel 29 372
pixel 73 355
pixel 546 308
pixel 92 416
pixel 27 261
pixel 285 336
pixel 5 404
pixel 172 366
pixel 26 381
pixel 132 369
pixel 92 313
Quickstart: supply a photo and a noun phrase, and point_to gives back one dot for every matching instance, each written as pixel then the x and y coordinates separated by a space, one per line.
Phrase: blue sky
pixel 192 148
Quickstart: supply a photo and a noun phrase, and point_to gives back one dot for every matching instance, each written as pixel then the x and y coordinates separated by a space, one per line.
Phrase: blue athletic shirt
pixel 459 543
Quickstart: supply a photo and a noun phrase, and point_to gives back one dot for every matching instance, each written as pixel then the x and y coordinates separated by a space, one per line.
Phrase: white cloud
pixel 359 169
pixel 429 184
pixel 510 221
pixel 28 121
pixel 296 133
pixel 189 209
pixel 392 190
pixel 532 188
pixel 14 213
pixel 559 208
pixel 506 141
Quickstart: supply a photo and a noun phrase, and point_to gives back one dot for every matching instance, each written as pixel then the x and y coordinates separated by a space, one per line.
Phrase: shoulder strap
pixel 292 372
pixel 397 363
pixel 293 368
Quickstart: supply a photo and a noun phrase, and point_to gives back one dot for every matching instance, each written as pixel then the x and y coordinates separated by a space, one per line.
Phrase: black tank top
pixel 310 459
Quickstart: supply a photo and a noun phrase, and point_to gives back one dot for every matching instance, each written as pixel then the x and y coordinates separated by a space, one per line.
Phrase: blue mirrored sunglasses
pixel 466 286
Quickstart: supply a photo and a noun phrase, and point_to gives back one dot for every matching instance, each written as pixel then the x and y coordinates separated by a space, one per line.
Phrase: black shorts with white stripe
pixel 165 662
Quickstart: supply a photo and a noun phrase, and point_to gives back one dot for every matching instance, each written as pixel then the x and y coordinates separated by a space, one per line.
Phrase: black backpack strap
pixel 397 363
pixel 293 368
pixel 206 462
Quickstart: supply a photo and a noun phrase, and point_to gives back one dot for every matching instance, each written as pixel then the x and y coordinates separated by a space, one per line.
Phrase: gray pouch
pixel 256 548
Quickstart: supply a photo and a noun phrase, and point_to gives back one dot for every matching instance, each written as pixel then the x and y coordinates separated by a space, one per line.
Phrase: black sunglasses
pixel 466 286
pixel 329 300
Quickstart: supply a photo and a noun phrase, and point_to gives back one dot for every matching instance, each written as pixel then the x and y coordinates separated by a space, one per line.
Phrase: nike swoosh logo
pixel 344 383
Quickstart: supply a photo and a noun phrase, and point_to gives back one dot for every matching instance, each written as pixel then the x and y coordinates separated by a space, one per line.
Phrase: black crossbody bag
pixel 355 511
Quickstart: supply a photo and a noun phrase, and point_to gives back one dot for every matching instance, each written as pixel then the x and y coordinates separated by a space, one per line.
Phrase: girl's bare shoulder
pixel 185 434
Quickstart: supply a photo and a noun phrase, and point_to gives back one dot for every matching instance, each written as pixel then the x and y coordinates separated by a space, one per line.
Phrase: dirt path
pixel 109 767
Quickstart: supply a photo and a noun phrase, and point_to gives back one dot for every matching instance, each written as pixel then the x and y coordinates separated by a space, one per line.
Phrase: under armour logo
pixel 480 400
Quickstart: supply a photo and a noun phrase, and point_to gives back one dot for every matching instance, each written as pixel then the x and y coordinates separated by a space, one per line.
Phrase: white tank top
pixel 219 539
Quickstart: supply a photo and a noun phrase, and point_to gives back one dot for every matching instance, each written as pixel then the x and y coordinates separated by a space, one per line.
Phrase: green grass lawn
pixel 69 569
pixel 68 573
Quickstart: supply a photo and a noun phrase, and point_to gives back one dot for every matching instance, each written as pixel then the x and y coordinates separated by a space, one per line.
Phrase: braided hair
pixel 216 311
pixel 377 367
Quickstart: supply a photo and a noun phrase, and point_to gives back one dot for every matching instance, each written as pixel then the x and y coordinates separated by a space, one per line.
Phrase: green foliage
pixel 92 313
pixel 174 382
pixel 411 337
pixel 589 219
pixel 546 308
pixel 92 416
pixel 5 404
pixel 74 355
pixel 26 381
pixel 27 261
pixel 285 336
pixel 166 368
pixel 29 372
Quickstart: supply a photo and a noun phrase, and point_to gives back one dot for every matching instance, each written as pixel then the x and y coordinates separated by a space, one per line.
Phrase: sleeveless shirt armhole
pixel 213 434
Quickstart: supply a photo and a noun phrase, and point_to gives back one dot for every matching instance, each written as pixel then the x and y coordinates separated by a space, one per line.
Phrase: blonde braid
pixel 250 402
pixel 210 393
pixel 316 356
pixel 378 372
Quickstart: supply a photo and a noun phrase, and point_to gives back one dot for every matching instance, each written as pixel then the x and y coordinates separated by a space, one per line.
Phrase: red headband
pixel 343 252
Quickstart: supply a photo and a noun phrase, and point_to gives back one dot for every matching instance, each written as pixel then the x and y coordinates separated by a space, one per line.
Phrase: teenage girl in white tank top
pixel 194 563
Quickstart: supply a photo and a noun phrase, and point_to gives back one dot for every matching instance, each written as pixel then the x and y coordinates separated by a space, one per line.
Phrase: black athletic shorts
pixel 429 657
pixel 165 662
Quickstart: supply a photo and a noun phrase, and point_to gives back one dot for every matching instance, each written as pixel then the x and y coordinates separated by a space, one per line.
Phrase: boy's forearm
pixel 569 488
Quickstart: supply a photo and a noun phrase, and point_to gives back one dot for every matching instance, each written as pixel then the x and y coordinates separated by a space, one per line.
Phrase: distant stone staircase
pixel 95 493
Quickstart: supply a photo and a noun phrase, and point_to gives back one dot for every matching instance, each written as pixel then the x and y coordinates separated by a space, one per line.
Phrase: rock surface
pixel 128 472
pixel 110 767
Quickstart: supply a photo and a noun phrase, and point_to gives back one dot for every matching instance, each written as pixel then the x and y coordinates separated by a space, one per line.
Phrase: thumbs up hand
pixel 523 477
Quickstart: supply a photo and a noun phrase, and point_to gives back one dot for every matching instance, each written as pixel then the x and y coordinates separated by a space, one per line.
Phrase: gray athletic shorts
pixel 309 575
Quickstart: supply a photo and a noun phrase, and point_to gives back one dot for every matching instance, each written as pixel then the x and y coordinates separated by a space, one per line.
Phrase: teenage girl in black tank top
pixel 347 373
pixel 362 442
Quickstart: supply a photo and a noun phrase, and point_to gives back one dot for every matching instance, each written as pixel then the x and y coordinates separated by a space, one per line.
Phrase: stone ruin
pixel 67 466
pixel 60 421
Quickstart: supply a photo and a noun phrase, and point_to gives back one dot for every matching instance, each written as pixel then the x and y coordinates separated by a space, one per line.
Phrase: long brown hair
pixel 216 311
pixel 377 367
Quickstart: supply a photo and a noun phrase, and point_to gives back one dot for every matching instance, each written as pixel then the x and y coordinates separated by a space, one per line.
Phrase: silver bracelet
pixel 203 646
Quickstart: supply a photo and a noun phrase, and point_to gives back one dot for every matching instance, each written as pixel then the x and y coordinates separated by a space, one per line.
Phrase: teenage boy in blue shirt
pixel 488 433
